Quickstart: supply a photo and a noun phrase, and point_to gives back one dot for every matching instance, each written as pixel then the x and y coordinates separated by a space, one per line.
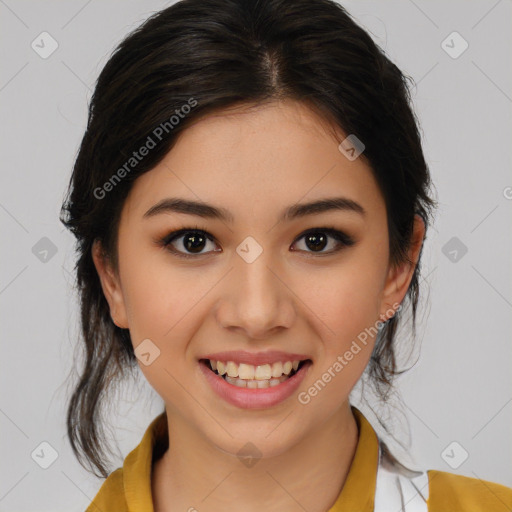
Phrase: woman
pixel 250 201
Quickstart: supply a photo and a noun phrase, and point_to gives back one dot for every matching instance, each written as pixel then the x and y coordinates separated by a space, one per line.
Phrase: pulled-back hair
pixel 210 55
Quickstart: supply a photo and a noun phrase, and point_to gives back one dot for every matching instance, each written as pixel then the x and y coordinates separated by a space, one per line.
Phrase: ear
pixel 399 277
pixel 111 286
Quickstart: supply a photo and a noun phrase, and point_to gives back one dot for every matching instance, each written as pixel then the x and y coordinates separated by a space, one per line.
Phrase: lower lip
pixel 246 398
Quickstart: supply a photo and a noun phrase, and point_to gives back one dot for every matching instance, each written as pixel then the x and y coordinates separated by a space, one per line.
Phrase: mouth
pixel 255 376
pixel 255 387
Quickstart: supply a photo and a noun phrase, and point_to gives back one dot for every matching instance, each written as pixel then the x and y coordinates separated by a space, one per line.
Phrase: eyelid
pixel 170 237
pixel 343 239
pixel 167 239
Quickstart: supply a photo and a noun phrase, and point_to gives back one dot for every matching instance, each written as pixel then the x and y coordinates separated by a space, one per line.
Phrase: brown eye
pixel 193 242
pixel 188 243
pixel 317 240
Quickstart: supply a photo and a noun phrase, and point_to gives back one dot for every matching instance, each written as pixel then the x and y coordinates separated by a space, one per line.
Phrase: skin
pixel 255 163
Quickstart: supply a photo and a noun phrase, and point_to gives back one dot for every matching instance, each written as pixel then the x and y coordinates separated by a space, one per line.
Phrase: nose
pixel 255 299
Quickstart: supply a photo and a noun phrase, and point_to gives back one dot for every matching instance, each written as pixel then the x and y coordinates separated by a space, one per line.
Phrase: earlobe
pixel 399 277
pixel 110 285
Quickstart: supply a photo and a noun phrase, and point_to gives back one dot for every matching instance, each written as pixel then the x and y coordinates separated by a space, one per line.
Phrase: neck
pixel 193 473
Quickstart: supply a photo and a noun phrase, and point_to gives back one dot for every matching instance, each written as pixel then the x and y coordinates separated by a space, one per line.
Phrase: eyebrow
pixel 205 210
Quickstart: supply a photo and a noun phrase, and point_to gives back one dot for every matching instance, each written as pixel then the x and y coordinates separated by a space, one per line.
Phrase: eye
pixel 190 242
pixel 317 239
pixel 188 239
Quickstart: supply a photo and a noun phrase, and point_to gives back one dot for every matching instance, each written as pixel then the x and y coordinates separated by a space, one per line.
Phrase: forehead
pixel 254 159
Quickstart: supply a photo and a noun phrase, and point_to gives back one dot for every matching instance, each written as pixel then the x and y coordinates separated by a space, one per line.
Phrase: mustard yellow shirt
pixel 128 489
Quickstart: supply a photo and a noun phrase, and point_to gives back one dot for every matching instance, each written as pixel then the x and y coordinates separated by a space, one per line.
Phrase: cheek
pixel 162 304
pixel 348 302
pixel 158 294
pixel 349 299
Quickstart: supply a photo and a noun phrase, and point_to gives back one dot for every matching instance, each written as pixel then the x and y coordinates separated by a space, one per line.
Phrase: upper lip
pixel 255 358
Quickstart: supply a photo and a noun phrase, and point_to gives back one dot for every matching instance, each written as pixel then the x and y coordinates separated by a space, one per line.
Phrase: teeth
pixel 246 371
pixel 249 372
pixel 231 380
pixel 287 367
pixel 255 384
pixel 263 372
pixel 221 367
pixel 277 369
pixel 232 369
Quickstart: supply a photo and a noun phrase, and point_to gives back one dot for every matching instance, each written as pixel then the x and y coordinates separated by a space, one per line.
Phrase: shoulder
pixel 111 495
pixel 129 487
pixel 453 493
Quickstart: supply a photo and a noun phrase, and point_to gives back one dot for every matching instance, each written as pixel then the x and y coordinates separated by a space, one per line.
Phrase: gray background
pixel 459 390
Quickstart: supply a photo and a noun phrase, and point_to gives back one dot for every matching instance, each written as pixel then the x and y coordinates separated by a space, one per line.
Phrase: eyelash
pixel 343 239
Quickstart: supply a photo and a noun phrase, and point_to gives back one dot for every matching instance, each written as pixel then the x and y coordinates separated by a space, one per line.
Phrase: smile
pixel 250 386
pixel 255 377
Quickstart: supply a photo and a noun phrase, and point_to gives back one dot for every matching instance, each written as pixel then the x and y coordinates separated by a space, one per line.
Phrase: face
pixel 264 286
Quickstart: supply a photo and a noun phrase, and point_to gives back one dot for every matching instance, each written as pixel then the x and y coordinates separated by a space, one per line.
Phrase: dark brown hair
pixel 220 53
